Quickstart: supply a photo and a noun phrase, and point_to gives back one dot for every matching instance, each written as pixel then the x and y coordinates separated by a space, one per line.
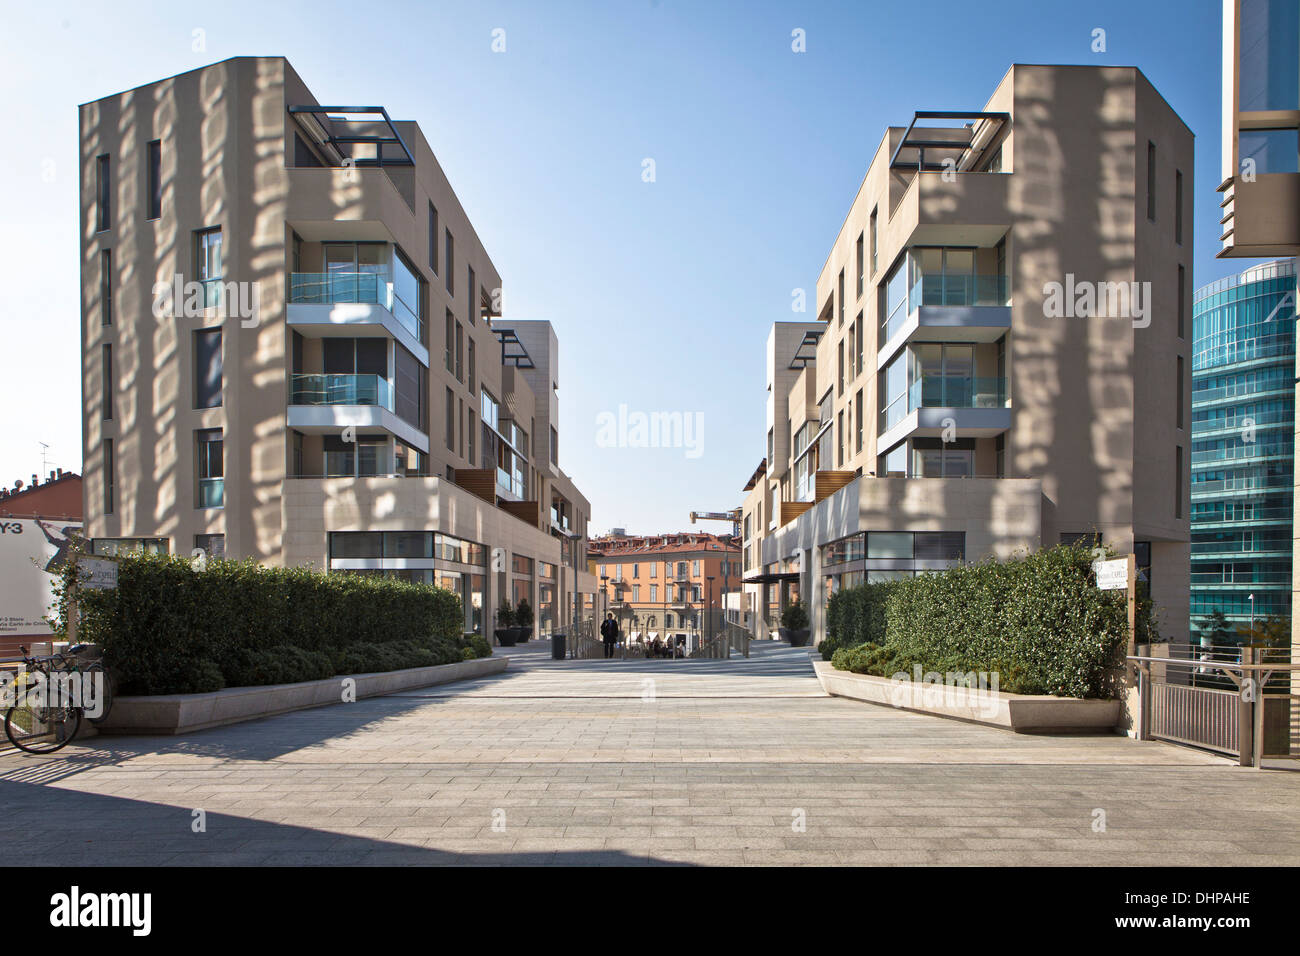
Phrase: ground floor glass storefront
pixel 420 557
pixel 871 556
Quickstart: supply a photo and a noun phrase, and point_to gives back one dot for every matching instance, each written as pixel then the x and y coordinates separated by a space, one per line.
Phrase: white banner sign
pixel 31 553
pixel 1111 575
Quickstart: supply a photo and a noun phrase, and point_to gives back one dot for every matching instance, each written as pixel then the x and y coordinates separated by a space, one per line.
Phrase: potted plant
pixel 523 621
pixel 794 624
pixel 505 631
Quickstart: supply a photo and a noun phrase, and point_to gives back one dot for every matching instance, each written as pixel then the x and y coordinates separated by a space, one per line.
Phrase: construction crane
pixel 733 516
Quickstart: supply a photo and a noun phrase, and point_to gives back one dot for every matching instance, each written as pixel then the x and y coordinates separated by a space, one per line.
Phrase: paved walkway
pixel 638 762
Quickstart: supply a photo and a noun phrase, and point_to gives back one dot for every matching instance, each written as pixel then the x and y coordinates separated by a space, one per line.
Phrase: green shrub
pixel 170 629
pixel 855 616
pixel 794 616
pixel 1039 621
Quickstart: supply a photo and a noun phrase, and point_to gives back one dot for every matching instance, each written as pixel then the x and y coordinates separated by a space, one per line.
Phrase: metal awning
pixel 516 355
pixel 336 127
pixel 956 143
pixel 771 577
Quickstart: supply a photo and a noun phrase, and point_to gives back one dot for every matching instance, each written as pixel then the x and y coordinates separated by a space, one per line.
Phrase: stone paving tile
pixel 714 772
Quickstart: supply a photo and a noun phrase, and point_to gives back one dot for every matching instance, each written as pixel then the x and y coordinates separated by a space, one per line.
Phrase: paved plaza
pixel 635 763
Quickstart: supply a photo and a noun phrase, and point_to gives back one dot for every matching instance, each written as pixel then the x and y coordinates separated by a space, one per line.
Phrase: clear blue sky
pixel 661 293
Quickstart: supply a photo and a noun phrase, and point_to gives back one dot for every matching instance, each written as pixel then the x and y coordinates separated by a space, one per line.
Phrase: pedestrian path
pixel 638 762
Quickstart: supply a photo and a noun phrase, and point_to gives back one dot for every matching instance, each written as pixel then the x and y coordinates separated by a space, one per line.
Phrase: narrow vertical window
pixel 154 176
pixel 1180 391
pixel 1151 181
pixel 840 388
pixel 1182 302
pixel 449 251
pixel 106 397
pixel 450 343
pixel 433 239
pixel 451 421
pixel 103 194
pixel 110 471
pixel 212 468
pixel 1178 206
pixel 1178 481
pixel 861 264
pixel 469 292
pixel 859 406
pixel 207 368
pixel 873 241
pixel 460 352
pixel 106 287
pixel 839 297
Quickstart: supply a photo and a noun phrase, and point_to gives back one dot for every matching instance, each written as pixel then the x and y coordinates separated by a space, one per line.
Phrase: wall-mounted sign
pixel 97 574
pixel 1111 575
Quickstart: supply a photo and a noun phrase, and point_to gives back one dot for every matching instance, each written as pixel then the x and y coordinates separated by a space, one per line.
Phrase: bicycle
pixel 33 725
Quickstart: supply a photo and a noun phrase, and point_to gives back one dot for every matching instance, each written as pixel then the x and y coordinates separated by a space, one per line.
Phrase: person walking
pixel 609 632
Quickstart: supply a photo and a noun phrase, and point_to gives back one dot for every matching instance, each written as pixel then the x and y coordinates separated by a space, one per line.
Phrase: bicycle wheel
pixel 109 688
pixel 41 730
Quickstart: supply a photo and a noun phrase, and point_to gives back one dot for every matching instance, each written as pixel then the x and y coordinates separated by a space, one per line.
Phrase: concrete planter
pixel 183 713
pixel 1022 713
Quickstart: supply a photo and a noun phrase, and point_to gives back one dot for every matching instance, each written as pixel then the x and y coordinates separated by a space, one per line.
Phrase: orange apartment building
pixel 657 584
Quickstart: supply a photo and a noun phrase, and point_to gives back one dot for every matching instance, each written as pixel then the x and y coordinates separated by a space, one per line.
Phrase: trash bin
pixel 557 646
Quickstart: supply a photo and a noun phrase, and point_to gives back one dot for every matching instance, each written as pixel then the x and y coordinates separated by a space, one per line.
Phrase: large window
pixel 893 305
pixel 1271 150
pixel 1270 55
pixel 408 296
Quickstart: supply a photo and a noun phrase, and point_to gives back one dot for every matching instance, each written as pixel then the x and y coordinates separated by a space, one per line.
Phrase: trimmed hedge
pixel 855 616
pixel 169 628
pixel 1039 621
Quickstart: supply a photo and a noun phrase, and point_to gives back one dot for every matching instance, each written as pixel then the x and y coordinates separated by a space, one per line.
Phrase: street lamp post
pixel 1252 619
pixel 708 610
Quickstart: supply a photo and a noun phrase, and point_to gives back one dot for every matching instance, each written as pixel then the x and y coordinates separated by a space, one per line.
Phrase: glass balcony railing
pixel 965 289
pixel 945 391
pixel 212 492
pixel 212 292
pixel 315 389
pixel 372 288
pixel 957 391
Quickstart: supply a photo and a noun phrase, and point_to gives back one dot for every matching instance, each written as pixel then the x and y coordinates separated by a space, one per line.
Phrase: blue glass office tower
pixel 1243 443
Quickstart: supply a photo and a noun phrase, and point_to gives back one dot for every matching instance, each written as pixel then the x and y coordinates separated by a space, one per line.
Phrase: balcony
pixel 323 301
pixel 342 390
pixel 326 404
pixel 974 407
pixel 964 307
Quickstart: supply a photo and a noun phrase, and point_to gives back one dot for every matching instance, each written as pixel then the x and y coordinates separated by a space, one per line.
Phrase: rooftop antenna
pixel 44 449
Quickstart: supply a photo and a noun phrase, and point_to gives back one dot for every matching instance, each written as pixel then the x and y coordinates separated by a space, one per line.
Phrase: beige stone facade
pixel 291 330
pixel 1000 361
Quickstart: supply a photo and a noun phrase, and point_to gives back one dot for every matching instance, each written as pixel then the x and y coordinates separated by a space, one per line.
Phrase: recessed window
pixel 110 470
pixel 433 239
pixel 449 248
pixel 1178 206
pixel 106 397
pixel 103 194
pixel 207 368
pixel 106 287
pixel 1151 181
pixel 211 470
pixel 153 174
pixel 451 421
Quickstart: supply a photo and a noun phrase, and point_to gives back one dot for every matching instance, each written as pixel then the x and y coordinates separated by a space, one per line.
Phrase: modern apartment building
pixel 1001 354
pixel 1261 150
pixel 1243 443
pixel 655 584
pixel 293 349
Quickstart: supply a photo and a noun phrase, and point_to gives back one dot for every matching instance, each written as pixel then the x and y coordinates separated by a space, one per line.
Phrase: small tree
pixel 1215 630
pixel 524 614
pixel 795 616
pixel 505 614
